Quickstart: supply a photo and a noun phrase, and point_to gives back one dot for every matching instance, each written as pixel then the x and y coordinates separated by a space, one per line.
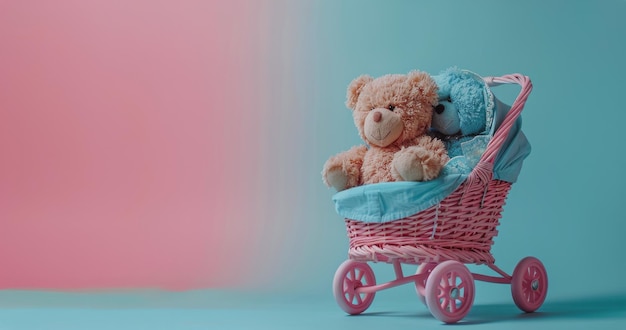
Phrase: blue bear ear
pixel 446 79
pixel 469 93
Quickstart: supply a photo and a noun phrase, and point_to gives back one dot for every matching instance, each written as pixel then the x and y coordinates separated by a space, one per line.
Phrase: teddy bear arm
pixel 421 162
pixel 343 170
pixel 434 156
pixel 406 165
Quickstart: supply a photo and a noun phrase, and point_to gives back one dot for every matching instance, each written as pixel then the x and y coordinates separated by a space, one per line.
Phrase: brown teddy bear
pixel 393 114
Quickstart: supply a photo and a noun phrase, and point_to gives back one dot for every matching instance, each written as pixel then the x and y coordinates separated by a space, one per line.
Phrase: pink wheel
pixel 348 277
pixel 450 291
pixel 420 285
pixel 529 285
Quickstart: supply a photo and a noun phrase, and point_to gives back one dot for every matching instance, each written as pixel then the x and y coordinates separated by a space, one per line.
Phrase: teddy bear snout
pixel 440 108
pixel 377 116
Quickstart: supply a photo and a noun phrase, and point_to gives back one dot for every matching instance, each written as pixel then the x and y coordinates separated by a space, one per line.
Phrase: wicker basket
pixel 461 227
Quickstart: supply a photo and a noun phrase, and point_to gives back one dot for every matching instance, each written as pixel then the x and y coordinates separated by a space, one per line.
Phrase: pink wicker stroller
pixel 441 239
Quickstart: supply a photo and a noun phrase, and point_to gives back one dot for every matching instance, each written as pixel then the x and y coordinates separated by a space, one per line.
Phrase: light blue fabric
pixel 388 201
pixel 515 149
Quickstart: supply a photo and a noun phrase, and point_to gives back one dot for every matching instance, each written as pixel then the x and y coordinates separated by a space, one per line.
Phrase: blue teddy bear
pixel 461 112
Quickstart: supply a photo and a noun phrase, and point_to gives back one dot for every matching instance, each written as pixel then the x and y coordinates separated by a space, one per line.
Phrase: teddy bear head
pixel 392 109
pixel 462 108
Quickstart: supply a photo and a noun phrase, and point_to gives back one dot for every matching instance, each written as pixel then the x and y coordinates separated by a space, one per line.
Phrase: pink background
pixel 132 143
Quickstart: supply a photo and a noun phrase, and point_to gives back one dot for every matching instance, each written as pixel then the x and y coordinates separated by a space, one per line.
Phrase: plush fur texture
pixel 461 112
pixel 392 114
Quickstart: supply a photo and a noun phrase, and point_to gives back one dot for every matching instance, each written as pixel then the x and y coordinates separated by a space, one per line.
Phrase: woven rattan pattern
pixel 461 227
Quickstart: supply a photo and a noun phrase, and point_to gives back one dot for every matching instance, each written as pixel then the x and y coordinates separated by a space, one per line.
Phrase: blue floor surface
pixel 236 310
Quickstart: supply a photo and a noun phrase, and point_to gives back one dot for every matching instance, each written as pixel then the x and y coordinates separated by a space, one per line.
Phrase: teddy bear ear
pixel 355 88
pixel 423 85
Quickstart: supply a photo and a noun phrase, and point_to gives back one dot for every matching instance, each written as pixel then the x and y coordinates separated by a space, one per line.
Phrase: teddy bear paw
pixel 337 179
pixel 406 167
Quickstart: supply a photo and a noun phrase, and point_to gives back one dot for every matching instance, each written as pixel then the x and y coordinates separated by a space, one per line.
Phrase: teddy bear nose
pixel 377 116
pixel 440 108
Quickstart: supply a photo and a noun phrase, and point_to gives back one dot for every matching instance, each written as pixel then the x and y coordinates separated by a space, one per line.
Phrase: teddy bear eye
pixel 449 99
pixel 391 107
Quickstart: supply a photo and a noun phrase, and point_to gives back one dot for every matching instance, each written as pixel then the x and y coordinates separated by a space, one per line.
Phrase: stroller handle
pixel 501 134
